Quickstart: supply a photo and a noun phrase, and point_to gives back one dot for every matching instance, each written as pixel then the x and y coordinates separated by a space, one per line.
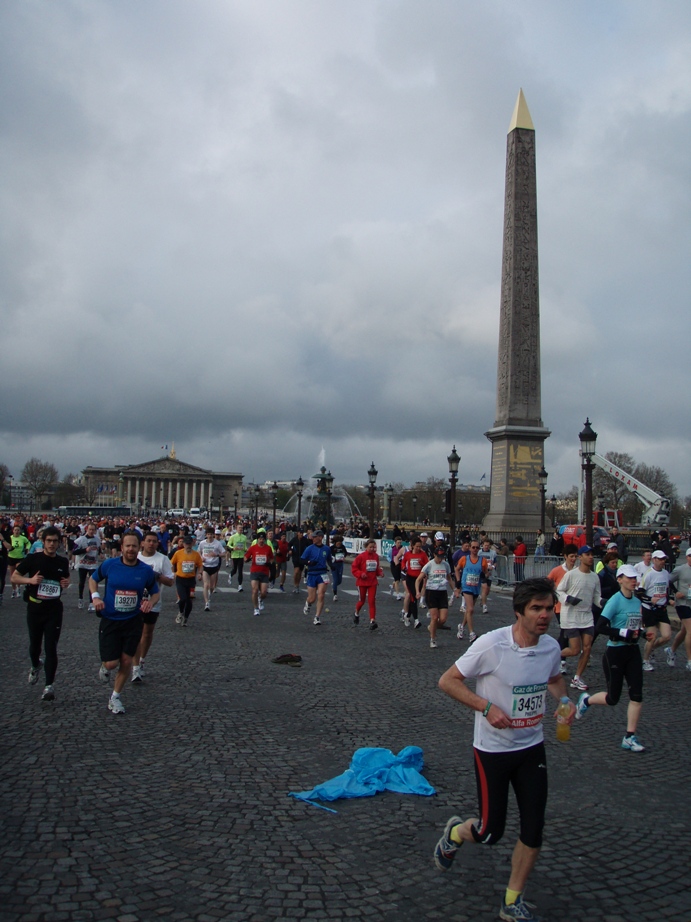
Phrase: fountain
pixel 318 493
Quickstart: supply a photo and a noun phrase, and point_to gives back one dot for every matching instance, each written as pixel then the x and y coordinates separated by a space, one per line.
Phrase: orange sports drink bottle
pixel 563 727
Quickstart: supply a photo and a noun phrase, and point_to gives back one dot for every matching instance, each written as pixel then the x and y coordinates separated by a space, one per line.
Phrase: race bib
pixel 414 565
pixel 527 705
pixel 126 600
pixel 472 579
pixel 340 556
pixel 116 537
pixel 633 622
pixel 688 594
pixel 209 552
pixel 188 566
pixel 260 560
pixel 48 589
pixel 371 566
pixel 325 578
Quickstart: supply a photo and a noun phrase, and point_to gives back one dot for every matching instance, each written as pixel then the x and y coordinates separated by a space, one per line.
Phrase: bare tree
pixel 4 475
pixel 611 488
pixel 39 476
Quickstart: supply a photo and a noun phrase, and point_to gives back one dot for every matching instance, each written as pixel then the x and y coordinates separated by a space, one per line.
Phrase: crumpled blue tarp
pixel 373 770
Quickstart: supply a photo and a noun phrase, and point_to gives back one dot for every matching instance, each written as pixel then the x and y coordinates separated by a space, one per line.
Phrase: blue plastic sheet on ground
pixel 373 770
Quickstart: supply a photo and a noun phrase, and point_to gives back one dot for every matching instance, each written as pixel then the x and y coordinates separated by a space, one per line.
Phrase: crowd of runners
pixel 123 567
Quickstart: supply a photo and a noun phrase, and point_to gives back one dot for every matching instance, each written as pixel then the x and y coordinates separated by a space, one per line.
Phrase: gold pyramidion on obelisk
pixel 518 434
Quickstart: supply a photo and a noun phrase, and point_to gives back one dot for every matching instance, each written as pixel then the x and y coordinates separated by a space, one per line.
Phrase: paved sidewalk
pixel 177 809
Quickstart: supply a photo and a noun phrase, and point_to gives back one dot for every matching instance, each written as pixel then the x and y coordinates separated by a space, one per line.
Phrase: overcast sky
pixel 259 228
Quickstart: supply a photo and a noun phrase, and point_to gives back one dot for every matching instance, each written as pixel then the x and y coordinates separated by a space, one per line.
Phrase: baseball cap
pixel 659 554
pixel 586 549
pixel 188 539
pixel 688 552
pixel 439 548
pixel 627 570
pixel 261 531
pixel 612 544
pixel 439 536
pixel 318 534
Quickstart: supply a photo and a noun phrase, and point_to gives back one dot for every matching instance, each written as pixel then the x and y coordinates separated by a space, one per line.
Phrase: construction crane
pixel 656 508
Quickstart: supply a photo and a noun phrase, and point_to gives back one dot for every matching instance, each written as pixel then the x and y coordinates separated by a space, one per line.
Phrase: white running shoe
pixel 335 598
pixel 240 589
pixel 306 609
pixel 433 644
pixel 472 637
pixel 462 608
pixel 316 620
pixel 648 666
pixel 104 674
pixel 423 604
pixel 460 633
pixel 261 605
pixel 91 607
pixel 141 668
pixel 136 674
pixel 484 609
pixel 33 675
pixel 80 603
pixel 207 607
pixel 670 656
pixel 577 682
pixel 417 624
pixel 115 705
pixel 230 580
pixel 406 621
pixel 256 612
pixel 178 618
pixel 48 693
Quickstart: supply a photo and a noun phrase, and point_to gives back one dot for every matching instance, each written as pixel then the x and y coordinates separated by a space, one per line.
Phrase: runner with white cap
pixel 622 657
pixel 681 580
pixel 653 592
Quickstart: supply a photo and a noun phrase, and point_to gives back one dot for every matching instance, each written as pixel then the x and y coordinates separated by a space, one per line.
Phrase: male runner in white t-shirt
pixel 514 668
pixel 149 553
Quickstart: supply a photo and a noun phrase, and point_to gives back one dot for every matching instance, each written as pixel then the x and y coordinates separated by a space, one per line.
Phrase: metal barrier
pixel 508 573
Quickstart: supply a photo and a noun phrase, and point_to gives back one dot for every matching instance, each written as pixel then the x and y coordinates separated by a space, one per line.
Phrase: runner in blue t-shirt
pixel 622 657
pixel 130 591
pixel 317 559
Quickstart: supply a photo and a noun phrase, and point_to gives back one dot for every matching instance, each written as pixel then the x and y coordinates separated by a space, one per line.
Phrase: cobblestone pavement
pixel 178 810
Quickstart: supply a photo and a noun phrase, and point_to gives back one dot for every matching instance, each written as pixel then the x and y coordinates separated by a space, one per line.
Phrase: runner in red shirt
pixel 261 556
pixel 366 570
pixel 412 562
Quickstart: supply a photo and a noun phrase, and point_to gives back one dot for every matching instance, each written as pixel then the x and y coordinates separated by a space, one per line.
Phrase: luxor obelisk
pixel 518 434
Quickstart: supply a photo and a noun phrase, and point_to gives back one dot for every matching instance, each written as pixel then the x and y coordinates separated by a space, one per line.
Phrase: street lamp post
pixel 454 460
pixel 553 501
pixel 300 484
pixel 388 493
pixel 601 500
pixel 414 510
pixel 257 491
pixel 236 497
pixel 274 493
pixel 372 476
pixel 400 511
pixel 588 440
pixel 329 493
pixel 542 479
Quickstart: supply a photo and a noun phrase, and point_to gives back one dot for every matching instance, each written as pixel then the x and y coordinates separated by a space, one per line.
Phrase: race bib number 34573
pixel 528 705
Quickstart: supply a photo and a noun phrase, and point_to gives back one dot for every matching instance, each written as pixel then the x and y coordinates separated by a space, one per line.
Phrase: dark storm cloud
pixel 259 229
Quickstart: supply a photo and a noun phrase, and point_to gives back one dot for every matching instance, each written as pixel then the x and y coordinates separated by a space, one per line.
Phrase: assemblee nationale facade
pixel 165 483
